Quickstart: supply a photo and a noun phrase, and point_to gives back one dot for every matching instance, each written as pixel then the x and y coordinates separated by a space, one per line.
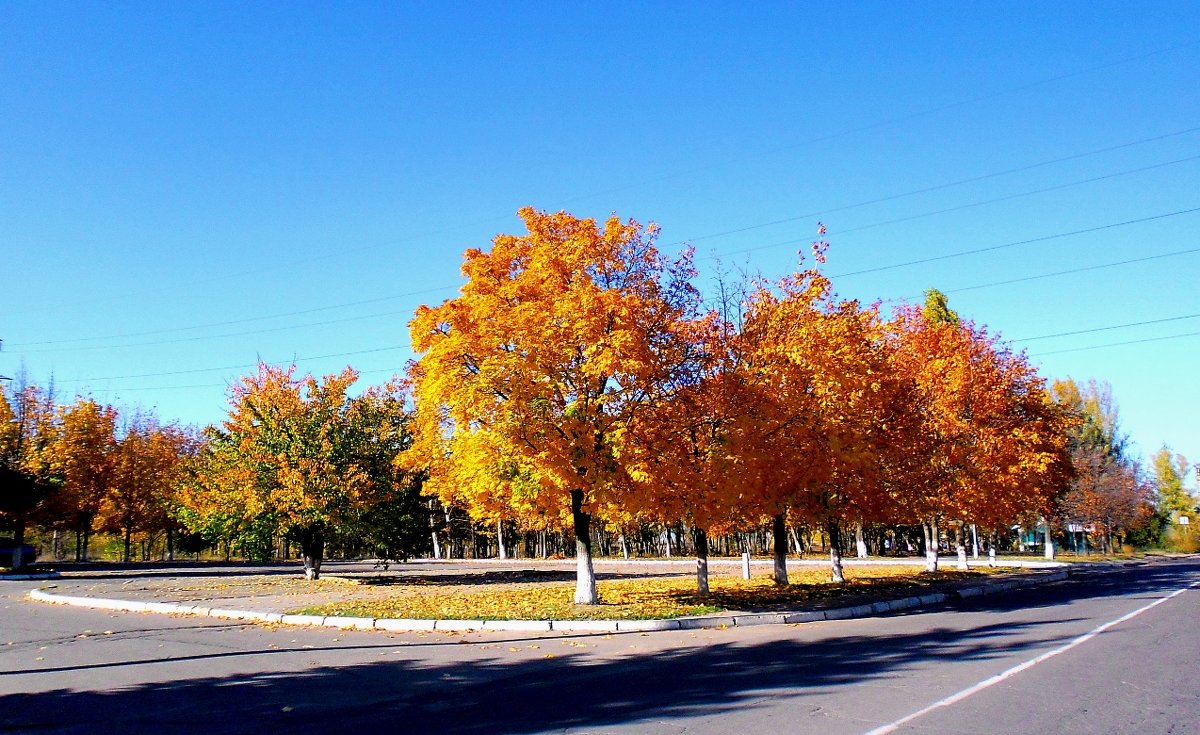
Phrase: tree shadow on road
pixel 503 694
pixel 1149 580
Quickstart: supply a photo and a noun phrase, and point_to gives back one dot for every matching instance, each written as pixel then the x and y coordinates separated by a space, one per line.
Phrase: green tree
pixel 298 457
pixel 1170 471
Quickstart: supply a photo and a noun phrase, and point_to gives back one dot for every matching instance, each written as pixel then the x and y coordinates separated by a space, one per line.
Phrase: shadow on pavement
pixel 498 695
pixel 1151 580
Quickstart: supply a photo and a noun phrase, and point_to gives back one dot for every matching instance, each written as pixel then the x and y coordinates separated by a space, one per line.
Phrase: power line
pixel 818 139
pixel 947 256
pixel 938 187
pixel 1111 327
pixel 970 205
pixel 747 250
pixel 1053 274
pixel 292 361
pixel 1121 344
pixel 203 337
pixel 1009 197
pixel 1015 243
pixel 727 232
pixel 219 385
pixel 904 118
pixel 245 320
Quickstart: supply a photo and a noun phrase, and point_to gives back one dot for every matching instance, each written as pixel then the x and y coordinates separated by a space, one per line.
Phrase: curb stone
pixel 402 625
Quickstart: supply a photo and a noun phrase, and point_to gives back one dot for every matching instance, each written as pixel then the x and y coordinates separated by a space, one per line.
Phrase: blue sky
pixel 188 188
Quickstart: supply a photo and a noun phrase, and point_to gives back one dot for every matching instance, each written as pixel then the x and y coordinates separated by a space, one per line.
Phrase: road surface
pixel 1104 652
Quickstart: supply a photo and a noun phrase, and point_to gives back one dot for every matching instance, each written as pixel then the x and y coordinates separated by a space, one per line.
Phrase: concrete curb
pixel 724 620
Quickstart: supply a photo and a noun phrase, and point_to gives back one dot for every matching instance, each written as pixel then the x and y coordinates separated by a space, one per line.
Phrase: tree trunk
pixel 87 539
pixel 624 546
pixel 1049 540
pixel 974 542
pixel 128 541
pixel 312 549
pixel 860 543
pixel 500 539
pixel 779 548
pixel 701 540
pixel 960 547
pixel 931 546
pixel 170 544
pixel 585 574
pixel 835 551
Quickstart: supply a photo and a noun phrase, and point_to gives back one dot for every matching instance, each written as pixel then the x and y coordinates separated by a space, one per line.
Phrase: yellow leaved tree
pixel 530 382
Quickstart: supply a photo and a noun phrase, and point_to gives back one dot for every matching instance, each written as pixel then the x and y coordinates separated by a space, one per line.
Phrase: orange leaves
pixel 989 442
pixel 530 380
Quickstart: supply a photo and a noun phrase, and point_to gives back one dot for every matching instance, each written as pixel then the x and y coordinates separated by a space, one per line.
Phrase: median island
pixel 546 595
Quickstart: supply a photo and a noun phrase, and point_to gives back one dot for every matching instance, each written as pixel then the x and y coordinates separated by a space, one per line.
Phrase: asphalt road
pixel 1027 655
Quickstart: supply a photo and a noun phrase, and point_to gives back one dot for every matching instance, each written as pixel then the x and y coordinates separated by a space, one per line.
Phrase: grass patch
pixel 638 598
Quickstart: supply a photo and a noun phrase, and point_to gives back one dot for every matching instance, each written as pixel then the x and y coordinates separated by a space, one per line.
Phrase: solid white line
pixel 959 696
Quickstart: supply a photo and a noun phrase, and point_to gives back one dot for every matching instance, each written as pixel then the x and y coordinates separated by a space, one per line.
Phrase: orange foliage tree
pixel 829 407
pixel 987 443
pixel 146 468
pixel 83 456
pixel 530 382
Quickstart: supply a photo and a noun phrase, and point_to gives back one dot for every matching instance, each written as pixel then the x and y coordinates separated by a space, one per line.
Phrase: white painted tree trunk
pixel 500 540
pixel 585 573
pixel 992 555
pixel 860 542
pixel 931 546
pixel 437 546
pixel 745 565
pixel 1049 539
pixel 960 547
pixel 974 542
pixel 624 546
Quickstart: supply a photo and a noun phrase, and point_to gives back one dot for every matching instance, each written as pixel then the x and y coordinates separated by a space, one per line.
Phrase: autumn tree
pixel 26 482
pixel 988 442
pixel 827 407
pixel 291 457
pixel 1107 492
pixel 83 455
pixel 530 382
pixel 146 467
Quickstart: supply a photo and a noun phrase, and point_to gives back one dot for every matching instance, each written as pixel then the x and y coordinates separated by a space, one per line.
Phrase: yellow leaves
pixel 631 599
pixel 535 357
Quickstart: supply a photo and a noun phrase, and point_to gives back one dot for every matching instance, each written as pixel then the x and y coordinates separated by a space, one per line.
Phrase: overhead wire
pixel 788 242
pixel 1119 344
pixel 1051 274
pixel 1093 330
pixel 818 139
pixel 1016 243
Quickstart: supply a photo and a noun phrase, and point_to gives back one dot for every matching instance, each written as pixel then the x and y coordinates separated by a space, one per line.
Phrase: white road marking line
pixel 959 696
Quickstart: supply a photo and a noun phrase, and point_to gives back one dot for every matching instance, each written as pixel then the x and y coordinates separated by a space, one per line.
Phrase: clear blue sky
pixel 186 188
